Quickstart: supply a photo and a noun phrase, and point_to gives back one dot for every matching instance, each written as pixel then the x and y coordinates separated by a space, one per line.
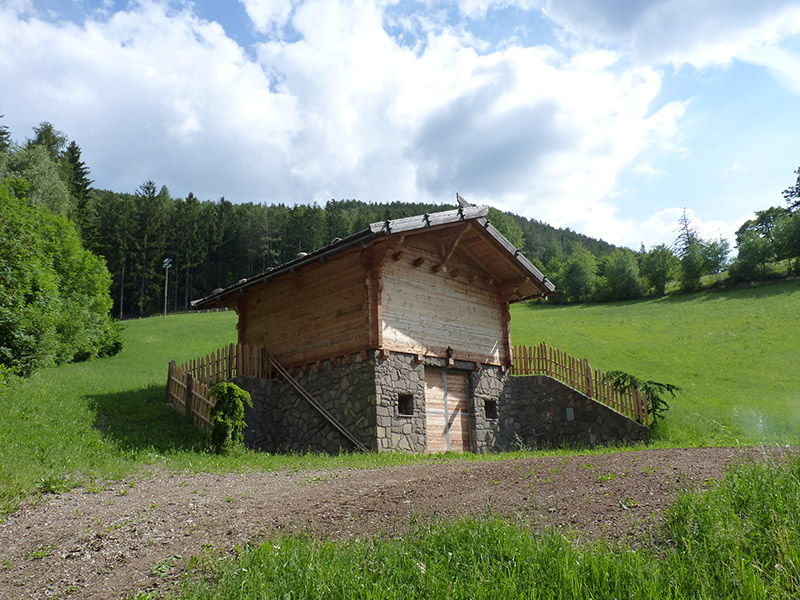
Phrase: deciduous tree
pixel 792 193
pixel 659 267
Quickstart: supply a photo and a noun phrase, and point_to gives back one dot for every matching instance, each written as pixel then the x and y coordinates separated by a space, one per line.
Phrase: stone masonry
pixel 281 420
pixel 536 411
pixel 365 396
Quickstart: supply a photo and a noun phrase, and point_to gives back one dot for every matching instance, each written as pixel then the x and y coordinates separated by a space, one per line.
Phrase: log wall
pixel 425 311
pixel 316 314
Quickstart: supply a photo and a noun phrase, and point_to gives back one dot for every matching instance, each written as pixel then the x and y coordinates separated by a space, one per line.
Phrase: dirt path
pixel 137 535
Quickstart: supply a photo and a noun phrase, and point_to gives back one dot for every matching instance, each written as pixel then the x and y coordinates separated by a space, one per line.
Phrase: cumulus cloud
pixel 527 129
pixel 700 33
pixel 648 169
pixel 341 99
pixel 268 15
pixel 152 93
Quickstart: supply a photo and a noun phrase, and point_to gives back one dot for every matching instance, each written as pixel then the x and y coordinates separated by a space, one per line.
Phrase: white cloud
pixel 268 15
pixel 783 64
pixel 661 227
pixel 342 110
pixel 734 168
pixel 700 33
pixel 525 128
pixel 648 170
pixel 151 94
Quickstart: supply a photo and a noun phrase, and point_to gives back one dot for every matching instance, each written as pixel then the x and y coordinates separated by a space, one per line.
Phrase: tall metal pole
pixel 167 265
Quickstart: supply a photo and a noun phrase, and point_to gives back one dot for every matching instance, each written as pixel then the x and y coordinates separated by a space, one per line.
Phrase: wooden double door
pixel 446 410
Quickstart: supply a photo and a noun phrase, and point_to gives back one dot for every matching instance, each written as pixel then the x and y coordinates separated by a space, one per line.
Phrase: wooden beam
pixel 438 353
pixel 384 250
pixel 506 323
pixel 379 314
pixel 454 245
pixel 241 323
pixel 511 287
pixel 477 260
pixel 372 283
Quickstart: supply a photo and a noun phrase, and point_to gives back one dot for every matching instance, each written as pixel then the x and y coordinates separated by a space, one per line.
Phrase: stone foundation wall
pixel 400 374
pixel 486 387
pixel 539 410
pixel 506 412
pixel 281 420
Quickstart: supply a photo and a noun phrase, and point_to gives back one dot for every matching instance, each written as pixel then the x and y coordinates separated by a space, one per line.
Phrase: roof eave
pixel 546 286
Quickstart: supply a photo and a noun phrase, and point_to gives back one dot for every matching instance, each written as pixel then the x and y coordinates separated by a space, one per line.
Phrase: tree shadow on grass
pixel 140 419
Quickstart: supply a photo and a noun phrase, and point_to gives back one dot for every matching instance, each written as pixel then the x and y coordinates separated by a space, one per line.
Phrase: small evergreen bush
pixel 227 416
pixel 653 390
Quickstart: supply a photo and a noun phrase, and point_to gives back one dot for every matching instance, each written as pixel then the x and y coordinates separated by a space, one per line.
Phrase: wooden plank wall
pixel 317 313
pixel 424 311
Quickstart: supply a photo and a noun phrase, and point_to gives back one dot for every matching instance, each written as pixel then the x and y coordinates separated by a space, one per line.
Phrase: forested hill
pixel 55 292
pixel 215 243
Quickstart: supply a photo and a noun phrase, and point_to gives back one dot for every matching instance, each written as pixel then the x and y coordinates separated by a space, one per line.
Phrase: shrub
pixel 54 294
pixel 227 415
pixel 653 390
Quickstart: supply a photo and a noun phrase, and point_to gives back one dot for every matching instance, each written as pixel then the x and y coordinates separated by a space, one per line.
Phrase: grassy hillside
pixel 105 417
pixel 735 354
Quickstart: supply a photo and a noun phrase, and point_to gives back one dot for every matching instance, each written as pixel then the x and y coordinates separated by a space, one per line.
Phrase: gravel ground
pixel 137 535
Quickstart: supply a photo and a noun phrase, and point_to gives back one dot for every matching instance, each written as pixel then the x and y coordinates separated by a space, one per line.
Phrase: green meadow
pixel 735 354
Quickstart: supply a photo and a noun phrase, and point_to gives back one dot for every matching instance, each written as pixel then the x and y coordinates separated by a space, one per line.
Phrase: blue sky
pixel 608 117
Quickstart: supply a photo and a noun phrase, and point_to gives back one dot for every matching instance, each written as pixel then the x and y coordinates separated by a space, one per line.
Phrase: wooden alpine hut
pixel 394 338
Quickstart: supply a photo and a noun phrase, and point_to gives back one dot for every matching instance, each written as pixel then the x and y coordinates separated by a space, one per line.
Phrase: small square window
pixel 405 405
pixel 491 409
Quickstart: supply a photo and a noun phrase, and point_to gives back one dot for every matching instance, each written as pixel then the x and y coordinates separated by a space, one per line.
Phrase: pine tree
pixel 79 185
pixel 687 235
pixel 149 245
pixel 5 137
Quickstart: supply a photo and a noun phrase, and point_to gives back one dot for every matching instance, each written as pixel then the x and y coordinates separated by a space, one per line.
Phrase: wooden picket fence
pixel 188 384
pixel 542 359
